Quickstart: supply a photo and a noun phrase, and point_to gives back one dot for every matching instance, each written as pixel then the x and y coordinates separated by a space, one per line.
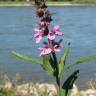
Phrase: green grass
pixel 9 2
pixel 52 2
pixel 84 1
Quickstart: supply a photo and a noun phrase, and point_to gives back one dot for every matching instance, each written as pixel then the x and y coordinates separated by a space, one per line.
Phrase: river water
pixel 16 34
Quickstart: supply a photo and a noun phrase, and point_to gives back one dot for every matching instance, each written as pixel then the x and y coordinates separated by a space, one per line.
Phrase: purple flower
pixel 43 24
pixel 54 47
pixel 53 32
pixel 38 35
pixel 45 50
pixel 47 13
pixel 57 46
pixel 39 12
pixel 47 19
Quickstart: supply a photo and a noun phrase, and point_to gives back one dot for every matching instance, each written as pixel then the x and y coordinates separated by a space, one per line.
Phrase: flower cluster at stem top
pixel 44 15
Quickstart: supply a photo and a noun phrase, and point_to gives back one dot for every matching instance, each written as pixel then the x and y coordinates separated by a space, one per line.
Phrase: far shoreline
pixel 54 4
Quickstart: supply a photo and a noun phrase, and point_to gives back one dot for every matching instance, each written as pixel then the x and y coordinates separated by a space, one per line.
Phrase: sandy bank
pixel 39 88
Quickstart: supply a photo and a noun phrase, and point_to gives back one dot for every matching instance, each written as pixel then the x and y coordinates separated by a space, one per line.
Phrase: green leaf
pixel 47 64
pixel 60 91
pixel 27 58
pixel 63 60
pixel 45 93
pixel 82 60
pixel 68 84
pixel 86 59
pixel 63 57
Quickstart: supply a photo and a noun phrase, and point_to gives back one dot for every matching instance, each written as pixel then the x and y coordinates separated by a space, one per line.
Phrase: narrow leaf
pixel 27 58
pixel 47 64
pixel 86 59
pixel 63 60
pixel 68 84
pixel 82 60
pixel 65 54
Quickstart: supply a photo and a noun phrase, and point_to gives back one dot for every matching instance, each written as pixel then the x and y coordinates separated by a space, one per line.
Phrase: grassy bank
pixel 70 4
pixel 84 1
pixel 9 3
pixel 51 3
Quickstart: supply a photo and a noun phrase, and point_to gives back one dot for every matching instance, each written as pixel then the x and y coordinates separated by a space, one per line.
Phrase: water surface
pixel 16 32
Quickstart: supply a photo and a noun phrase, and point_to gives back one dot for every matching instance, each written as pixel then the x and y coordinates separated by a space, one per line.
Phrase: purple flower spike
pixel 45 20
pixel 53 32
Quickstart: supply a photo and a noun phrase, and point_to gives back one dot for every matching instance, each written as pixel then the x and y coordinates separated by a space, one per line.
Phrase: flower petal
pixel 51 36
pixel 57 50
pixel 45 51
pixel 59 33
pixel 38 39
pixel 56 28
pixel 36 30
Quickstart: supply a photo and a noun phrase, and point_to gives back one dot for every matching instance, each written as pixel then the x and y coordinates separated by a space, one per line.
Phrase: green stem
pixel 56 69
